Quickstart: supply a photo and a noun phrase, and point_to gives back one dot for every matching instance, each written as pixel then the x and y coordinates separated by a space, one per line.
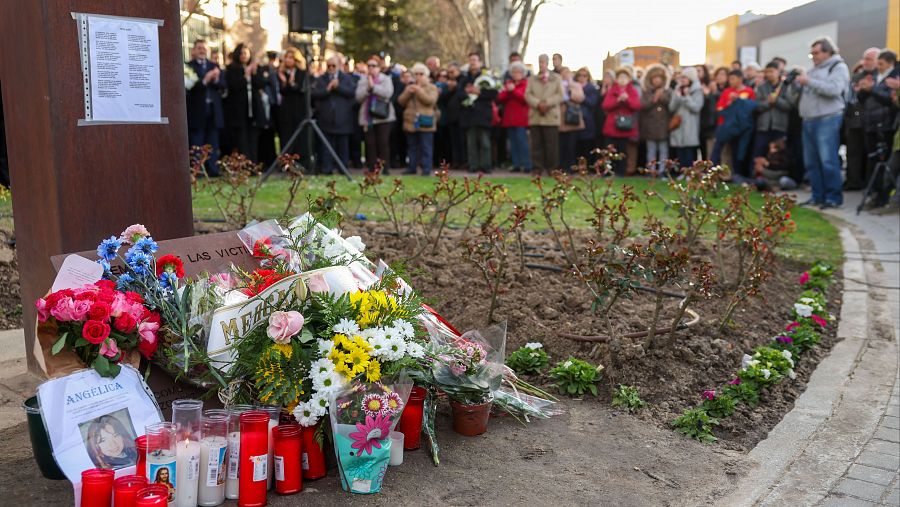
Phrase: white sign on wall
pixel 794 46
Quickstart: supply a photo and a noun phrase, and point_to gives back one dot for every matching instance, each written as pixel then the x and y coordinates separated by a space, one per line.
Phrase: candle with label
pixel 274 412
pixel 233 455
pixel 186 415
pixel 288 472
pixel 213 448
pixel 254 459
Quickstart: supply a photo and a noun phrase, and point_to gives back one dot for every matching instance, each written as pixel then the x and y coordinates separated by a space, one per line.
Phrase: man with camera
pixel 821 107
pixel 854 130
pixel 876 95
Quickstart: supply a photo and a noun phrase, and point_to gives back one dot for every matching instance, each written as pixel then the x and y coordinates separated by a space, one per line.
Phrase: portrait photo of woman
pixel 109 442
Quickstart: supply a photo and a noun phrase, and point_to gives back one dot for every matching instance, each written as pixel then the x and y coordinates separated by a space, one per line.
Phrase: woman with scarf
pixel 376 113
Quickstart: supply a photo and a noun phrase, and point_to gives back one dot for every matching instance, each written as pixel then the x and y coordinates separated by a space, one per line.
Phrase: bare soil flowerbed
pixel 539 304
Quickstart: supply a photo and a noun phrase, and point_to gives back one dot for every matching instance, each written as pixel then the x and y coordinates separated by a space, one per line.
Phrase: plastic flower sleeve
pixel 470 368
pixel 362 417
pixel 266 241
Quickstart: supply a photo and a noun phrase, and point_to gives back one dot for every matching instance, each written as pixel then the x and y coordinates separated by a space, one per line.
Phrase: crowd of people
pixel 775 127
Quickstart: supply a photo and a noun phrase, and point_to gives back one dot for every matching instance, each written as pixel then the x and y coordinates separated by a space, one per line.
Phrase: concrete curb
pixel 809 450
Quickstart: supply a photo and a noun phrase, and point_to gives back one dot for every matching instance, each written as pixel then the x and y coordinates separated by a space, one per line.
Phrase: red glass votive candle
pixel 288 468
pixel 125 489
pixel 411 419
pixel 154 495
pixel 254 459
pixel 313 458
pixel 96 487
pixel 140 444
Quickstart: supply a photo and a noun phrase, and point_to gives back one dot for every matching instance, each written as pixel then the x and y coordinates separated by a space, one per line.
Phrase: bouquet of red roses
pixel 100 324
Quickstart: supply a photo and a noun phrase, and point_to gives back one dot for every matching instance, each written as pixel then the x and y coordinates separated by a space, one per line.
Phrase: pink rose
pixel 80 309
pixel 147 331
pixel 109 348
pixel 64 310
pixel 804 278
pixel 43 311
pixel 284 325
pixel 120 304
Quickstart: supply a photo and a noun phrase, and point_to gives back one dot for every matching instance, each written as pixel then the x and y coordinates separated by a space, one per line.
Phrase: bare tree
pixel 506 24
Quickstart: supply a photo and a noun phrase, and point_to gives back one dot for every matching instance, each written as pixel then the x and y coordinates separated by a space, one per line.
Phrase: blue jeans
pixel 419 148
pixel 739 145
pixel 821 140
pixel 518 147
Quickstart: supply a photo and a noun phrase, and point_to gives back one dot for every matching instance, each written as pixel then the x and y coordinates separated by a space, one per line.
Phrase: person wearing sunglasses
pixel 335 94
pixel 376 113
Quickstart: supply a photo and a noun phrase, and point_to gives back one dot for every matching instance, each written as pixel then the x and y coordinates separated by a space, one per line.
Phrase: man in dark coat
pixel 204 104
pixel 335 95
pixel 475 116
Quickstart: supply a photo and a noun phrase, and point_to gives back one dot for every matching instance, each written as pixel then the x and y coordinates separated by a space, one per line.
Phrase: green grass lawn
pixel 815 238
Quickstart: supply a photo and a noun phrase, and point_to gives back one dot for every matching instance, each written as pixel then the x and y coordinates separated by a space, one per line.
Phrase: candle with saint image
pixel 186 416
pixel 233 455
pixel 213 449
pixel 161 464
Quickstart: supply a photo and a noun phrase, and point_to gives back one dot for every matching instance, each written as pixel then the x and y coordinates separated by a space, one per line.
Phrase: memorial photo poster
pixel 120 62
pixel 92 421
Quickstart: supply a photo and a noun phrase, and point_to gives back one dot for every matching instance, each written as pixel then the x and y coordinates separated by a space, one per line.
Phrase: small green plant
pixel 696 423
pixel 628 397
pixel 745 392
pixel 576 377
pixel 530 359
pixel 718 405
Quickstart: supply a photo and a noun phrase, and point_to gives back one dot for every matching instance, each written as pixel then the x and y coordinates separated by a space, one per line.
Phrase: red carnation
pixel 95 331
pixel 171 264
pixel 86 295
pixel 106 296
pixel 100 310
pixel 125 323
pixel 147 349
pixel 54 298
pixel 262 249
pixel 134 297
pixel 106 285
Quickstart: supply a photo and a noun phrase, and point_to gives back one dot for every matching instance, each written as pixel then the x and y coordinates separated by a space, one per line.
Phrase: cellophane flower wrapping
pixel 470 368
pixel 362 418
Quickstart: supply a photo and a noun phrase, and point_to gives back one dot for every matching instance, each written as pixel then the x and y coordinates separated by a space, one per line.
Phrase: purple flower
pixel 784 339
pixel 709 395
pixel 736 381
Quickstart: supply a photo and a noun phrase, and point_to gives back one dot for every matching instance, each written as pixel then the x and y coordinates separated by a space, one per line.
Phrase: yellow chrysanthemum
pixel 285 349
pixel 340 340
pixel 362 344
pixel 358 358
pixel 343 369
pixel 337 356
pixel 373 372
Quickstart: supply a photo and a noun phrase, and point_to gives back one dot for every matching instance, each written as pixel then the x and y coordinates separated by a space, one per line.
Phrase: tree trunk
pixel 498 14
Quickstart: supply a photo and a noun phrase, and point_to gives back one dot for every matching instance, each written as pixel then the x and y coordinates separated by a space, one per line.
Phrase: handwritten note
pixel 75 272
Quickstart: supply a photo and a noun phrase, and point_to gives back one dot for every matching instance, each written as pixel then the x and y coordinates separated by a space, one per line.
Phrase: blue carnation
pixel 108 248
pixel 139 262
pixel 106 267
pixel 167 280
pixel 146 245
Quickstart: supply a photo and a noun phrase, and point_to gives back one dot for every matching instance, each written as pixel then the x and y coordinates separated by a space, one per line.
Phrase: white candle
pixel 187 473
pixel 212 471
pixel 272 424
pixel 396 449
pixel 234 459
pixel 162 459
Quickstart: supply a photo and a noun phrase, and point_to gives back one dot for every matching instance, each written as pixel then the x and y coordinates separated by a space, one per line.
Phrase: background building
pixel 854 26
pixel 641 56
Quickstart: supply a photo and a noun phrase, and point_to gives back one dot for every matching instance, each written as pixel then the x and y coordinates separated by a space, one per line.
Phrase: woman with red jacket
pixel 620 104
pixel 515 117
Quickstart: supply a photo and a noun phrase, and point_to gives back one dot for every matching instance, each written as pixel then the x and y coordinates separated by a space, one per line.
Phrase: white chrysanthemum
pixel 380 346
pixel 415 350
pixel 404 328
pixel 319 403
pixel 534 345
pixel 320 366
pixel 325 347
pixel 305 414
pixel 327 382
pixel 396 349
pixel 348 327
pixel 803 310
pixel 356 242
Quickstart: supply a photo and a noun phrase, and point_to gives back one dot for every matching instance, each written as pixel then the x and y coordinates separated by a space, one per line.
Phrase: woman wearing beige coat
pixel 420 118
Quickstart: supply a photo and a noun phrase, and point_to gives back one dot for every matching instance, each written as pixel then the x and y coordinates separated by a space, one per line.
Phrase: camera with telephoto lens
pixel 791 76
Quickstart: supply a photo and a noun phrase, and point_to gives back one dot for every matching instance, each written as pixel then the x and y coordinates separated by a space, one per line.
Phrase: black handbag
pixel 624 122
pixel 380 108
pixel 573 114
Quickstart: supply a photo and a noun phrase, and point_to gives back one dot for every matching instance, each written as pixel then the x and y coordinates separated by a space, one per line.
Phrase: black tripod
pixel 881 167
pixel 308 122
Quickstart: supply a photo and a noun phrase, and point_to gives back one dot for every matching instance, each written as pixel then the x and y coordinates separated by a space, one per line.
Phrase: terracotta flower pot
pixel 470 420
